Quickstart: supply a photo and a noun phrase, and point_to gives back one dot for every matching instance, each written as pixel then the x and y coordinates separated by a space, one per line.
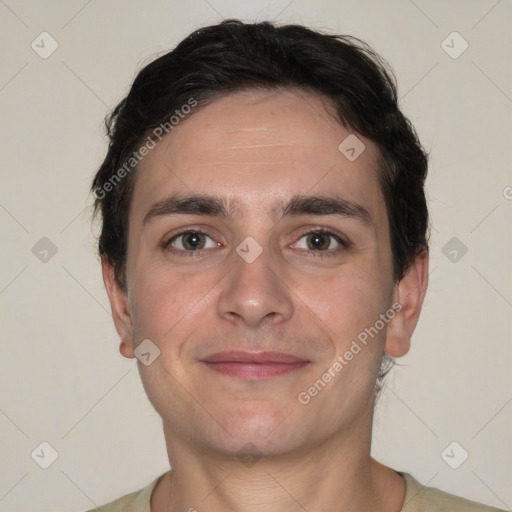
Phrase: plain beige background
pixel 63 380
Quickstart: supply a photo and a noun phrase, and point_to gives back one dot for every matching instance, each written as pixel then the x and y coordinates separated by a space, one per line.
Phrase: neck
pixel 337 475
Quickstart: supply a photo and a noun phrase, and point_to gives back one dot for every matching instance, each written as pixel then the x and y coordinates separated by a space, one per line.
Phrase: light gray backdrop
pixel 63 381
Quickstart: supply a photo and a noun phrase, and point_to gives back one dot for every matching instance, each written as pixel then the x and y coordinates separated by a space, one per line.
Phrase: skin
pixel 260 148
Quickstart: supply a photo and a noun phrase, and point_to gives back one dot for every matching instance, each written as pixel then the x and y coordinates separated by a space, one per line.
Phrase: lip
pixel 254 365
pixel 240 356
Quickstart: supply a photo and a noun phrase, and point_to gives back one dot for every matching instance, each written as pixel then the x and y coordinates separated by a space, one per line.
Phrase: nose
pixel 255 293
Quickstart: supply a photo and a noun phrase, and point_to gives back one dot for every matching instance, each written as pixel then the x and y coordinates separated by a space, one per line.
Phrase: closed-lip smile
pixel 254 365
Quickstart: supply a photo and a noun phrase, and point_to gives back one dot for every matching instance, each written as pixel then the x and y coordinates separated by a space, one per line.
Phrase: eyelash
pixel 344 244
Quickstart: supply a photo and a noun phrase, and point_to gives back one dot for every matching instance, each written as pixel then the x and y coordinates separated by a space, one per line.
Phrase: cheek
pixel 351 307
pixel 164 302
pixel 348 301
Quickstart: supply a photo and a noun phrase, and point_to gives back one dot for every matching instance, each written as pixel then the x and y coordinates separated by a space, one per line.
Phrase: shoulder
pixel 138 501
pixel 419 498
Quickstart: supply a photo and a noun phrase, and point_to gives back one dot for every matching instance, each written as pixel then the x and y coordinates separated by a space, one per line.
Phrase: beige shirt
pixel 417 499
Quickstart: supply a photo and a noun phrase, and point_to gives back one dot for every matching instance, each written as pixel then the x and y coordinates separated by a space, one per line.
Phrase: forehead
pixel 258 148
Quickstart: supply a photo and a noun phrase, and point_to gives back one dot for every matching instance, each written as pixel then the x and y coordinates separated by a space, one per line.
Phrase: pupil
pixel 318 241
pixel 193 240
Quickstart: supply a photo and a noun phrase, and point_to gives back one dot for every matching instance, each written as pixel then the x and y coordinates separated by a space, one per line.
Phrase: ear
pixel 120 311
pixel 409 292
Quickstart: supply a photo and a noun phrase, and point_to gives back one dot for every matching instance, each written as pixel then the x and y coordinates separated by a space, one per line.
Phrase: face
pixel 286 249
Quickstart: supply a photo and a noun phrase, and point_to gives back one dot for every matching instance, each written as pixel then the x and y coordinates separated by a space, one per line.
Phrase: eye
pixel 320 240
pixel 191 241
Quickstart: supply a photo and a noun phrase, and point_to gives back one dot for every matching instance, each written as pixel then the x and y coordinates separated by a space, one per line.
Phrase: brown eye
pixel 319 241
pixel 192 241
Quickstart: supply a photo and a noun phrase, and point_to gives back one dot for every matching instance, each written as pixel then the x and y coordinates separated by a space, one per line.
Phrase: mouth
pixel 254 365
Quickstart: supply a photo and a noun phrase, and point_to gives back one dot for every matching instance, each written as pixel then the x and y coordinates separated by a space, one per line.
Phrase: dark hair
pixel 233 56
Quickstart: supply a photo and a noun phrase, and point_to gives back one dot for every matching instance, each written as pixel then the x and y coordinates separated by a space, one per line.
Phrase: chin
pixel 264 431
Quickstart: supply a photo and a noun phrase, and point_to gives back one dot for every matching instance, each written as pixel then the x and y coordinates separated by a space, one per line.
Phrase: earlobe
pixel 398 341
pixel 409 293
pixel 119 307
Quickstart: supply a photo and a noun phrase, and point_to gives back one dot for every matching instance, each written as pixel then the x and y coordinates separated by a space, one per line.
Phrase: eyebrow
pixel 217 206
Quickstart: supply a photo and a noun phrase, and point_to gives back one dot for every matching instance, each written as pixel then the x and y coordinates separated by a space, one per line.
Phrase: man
pixel 264 248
